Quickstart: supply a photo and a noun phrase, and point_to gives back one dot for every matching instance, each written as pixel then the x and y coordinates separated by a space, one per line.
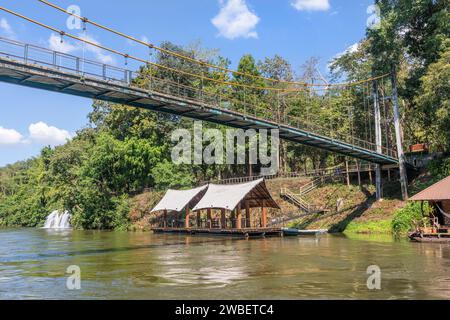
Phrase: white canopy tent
pixel 228 197
pixel 178 200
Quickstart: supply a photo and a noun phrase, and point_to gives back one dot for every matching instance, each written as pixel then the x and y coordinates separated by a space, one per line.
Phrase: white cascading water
pixel 58 220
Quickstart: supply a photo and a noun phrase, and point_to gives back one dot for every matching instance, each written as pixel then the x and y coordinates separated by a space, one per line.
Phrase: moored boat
pixel 292 232
pixel 429 237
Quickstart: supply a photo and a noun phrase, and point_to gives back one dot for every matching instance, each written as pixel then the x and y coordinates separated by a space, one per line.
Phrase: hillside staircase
pixel 299 202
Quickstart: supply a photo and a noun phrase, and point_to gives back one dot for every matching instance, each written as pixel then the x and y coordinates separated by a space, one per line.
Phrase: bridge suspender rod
pixel 203 63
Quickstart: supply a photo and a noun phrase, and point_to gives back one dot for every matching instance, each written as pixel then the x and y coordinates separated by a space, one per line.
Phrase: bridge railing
pixel 85 68
pixel 32 54
pixel 336 170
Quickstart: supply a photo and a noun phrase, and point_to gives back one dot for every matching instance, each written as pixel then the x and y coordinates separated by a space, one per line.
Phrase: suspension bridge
pixel 33 66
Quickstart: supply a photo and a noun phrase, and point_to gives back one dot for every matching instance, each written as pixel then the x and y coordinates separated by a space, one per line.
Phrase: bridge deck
pixel 48 75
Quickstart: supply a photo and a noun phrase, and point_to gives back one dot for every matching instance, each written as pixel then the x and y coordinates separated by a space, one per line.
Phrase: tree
pixel 434 101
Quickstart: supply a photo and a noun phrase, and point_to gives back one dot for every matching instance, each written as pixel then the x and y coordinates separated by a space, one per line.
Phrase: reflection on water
pixel 120 265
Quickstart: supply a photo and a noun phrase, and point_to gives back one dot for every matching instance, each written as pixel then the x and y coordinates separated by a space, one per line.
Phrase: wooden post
pixel 247 214
pixel 264 215
pixel 378 140
pixel 199 219
pixel 398 135
pixel 165 218
pixel 186 221
pixel 348 174
pixel 208 217
pixel 232 217
pixel 238 217
pixel 223 219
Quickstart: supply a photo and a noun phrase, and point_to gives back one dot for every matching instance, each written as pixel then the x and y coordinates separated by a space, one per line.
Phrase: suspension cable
pixel 199 62
pixel 127 56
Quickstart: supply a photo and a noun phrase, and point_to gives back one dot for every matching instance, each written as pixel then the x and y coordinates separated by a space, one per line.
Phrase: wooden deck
pixel 430 237
pixel 244 233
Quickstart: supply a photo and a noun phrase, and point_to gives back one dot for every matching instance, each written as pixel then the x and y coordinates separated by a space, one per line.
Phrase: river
pixel 121 265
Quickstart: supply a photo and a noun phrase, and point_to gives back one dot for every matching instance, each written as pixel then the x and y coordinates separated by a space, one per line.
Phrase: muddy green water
pixel 120 265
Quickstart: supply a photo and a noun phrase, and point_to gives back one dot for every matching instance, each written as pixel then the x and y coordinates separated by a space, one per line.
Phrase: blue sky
pixel 295 29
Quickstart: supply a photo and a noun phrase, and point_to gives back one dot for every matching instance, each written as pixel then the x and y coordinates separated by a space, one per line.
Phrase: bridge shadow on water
pixel 97 251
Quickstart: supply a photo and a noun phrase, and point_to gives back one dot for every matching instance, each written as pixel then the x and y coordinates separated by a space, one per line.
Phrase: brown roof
pixel 437 192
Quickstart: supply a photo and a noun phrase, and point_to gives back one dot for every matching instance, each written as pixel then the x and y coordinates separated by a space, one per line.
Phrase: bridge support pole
pixel 378 139
pixel 398 136
pixel 348 173
pixel 359 173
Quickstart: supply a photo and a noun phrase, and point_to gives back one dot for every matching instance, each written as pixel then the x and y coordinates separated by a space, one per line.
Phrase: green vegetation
pixel 399 224
pixel 124 151
pixel 406 217
pixel 369 227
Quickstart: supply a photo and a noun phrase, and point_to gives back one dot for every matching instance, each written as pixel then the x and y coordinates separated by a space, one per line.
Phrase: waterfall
pixel 58 220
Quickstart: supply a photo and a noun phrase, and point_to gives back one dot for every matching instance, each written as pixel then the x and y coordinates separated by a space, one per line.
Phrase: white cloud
pixel 6 28
pixel 236 20
pixel 43 133
pixel 99 53
pixel 54 43
pixel 352 49
pixel 311 5
pixel 9 136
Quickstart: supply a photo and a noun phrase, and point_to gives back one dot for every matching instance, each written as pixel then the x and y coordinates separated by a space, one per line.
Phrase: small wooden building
pixel 438 196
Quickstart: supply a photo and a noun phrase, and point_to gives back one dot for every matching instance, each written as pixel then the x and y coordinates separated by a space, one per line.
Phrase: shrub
pixel 406 217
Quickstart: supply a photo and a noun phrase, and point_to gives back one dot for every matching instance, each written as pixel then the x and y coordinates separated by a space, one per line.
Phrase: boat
pixel 293 232
pixel 430 237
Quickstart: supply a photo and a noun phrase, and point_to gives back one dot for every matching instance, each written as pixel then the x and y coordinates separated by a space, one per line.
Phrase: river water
pixel 121 265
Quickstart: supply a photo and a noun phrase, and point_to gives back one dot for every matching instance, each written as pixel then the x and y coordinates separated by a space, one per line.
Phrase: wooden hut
pixel 239 209
pixel 438 196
